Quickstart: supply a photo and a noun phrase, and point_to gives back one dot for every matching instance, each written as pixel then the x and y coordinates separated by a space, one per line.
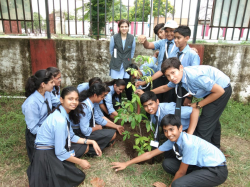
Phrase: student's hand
pixel 97 148
pixel 142 39
pixel 159 184
pixel 139 83
pixel 139 92
pixel 84 164
pixel 98 127
pixel 194 49
pixel 118 166
pixel 156 54
pixel 192 105
pixel 186 102
pixel 120 129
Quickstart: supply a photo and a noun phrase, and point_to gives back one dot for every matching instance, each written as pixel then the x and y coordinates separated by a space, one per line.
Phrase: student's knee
pixel 113 137
pixel 177 183
pixel 168 166
pixel 87 149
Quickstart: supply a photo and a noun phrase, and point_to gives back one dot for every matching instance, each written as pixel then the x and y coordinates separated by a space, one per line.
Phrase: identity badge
pixel 72 153
pixel 154 143
pixel 115 53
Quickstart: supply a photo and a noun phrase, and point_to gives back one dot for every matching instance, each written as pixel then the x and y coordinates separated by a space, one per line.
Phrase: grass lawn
pixel 14 161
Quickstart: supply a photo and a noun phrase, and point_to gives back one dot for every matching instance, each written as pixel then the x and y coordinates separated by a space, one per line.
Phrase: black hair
pixel 148 95
pixel 171 119
pixel 74 115
pixel 94 80
pixel 169 63
pixel 132 66
pixel 34 81
pixel 123 21
pixel 96 88
pixel 158 27
pixel 183 30
pixel 118 82
pixel 107 89
pixel 55 71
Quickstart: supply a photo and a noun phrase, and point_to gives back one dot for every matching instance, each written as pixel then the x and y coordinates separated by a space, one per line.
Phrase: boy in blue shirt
pixel 197 162
pixel 202 82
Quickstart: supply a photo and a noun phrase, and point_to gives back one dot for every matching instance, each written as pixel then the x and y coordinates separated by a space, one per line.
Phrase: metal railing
pixel 208 19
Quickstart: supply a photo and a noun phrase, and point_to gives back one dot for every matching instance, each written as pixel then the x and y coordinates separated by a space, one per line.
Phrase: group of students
pixel 63 126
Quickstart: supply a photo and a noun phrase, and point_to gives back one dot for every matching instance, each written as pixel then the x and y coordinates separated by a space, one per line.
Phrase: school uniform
pixel 198 81
pixel 167 49
pixel 82 87
pixel 122 52
pixel 35 109
pixel 54 93
pixel 207 164
pixel 49 166
pixel 111 99
pixel 84 128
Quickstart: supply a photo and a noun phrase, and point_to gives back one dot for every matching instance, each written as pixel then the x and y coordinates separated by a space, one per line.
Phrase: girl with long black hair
pixel 57 77
pixel 37 105
pixel 58 149
pixel 87 126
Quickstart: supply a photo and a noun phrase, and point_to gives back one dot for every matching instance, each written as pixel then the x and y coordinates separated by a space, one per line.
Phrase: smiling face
pixel 151 106
pixel 49 86
pixel 161 34
pixel 172 132
pixel 70 101
pixel 99 98
pixel 169 33
pixel 119 89
pixel 123 28
pixel 180 40
pixel 57 79
pixel 174 75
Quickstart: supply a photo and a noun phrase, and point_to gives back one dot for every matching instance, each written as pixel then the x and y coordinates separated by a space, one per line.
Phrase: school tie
pixel 178 101
pixel 54 92
pixel 169 43
pixel 176 151
pixel 91 122
pixel 157 128
pixel 48 108
pixel 179 54
pixel 67 143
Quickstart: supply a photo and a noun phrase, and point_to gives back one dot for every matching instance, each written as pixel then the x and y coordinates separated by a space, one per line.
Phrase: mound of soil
pixel 129 143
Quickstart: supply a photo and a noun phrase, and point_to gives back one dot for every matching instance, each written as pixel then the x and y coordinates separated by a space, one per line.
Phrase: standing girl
pixel 57 80
pixel 37 105
pixel 87 126
pixel 122 49
pixel 116 88
pixel 54 158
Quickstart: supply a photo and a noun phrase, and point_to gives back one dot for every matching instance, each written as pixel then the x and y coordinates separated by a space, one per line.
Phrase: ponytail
pixel 34 81
pixel 94 80
pixel 96 88
pixel 118 82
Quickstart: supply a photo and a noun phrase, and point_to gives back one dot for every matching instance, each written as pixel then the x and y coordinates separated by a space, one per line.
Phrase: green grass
pixel 14 161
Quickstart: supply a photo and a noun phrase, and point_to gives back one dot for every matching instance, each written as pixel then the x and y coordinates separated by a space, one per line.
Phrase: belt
pixel 43 147
pixel 223 164
pixel 75 127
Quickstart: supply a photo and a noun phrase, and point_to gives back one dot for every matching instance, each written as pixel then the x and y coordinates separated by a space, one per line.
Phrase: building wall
pixel 80 60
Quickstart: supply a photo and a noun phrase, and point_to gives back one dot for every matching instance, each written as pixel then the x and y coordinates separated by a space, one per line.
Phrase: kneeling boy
pixel 207 162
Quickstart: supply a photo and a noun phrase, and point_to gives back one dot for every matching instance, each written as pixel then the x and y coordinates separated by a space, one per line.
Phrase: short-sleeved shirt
pixel 54 132
pixel 108 100
pixel 169 108
pixel 35 109
pixel 161 45
pixel 82 87
pixel 189 57
pixel 199 80
pixel 196 151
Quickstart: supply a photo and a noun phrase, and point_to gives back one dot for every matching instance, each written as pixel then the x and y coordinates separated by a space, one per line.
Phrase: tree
pixel 147 8
pixel 35 23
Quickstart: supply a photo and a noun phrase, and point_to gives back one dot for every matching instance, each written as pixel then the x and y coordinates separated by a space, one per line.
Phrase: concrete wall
pixel 81 60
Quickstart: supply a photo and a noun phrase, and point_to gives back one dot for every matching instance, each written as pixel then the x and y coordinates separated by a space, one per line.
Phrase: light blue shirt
pixel 122 73
pixel 35 109
pixel 53 132
pixel 199 80
pixel 108 100
pixel 169 108
pixel 196 151
pixel 82 87
pixel 151 65
pixel 161 45
pixel 99 115
pixel 52 95
pixel 189 57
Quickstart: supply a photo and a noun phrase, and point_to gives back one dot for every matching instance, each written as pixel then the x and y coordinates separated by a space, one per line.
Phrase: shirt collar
pixel 112 90
pixel 185 50
pixel 179 141
pixel 184 77
pixel 63 112
pixel 39 96
pixel 158 110
pixel 166 40
pixel 92 105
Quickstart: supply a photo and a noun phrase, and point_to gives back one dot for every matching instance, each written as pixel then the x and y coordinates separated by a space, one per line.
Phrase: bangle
pixel 85 142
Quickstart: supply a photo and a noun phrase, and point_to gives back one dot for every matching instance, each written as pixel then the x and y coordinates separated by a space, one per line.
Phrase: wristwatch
pixel 198 106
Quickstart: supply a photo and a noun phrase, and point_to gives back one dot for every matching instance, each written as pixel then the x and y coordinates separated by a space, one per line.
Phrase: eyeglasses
pixel 176 151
